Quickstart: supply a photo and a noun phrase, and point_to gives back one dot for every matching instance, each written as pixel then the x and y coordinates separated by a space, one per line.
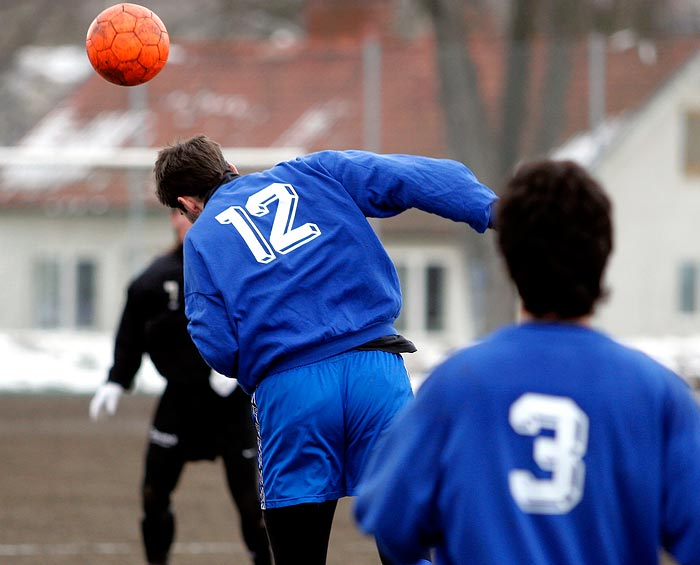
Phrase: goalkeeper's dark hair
pixel 554 223
pixel 193 167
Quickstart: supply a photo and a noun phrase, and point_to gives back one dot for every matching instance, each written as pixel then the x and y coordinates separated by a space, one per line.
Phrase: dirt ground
pixel 69 492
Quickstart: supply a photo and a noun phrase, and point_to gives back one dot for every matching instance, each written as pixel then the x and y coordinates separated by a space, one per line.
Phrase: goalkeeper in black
pixel 198 417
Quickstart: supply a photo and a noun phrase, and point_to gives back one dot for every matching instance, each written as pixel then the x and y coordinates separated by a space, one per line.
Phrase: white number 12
pixel 283 237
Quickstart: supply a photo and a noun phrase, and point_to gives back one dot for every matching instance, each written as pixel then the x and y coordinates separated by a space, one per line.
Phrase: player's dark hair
pixel 189 168
pixel 554 226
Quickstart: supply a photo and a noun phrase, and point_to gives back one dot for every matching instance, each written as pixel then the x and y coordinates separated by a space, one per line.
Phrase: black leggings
pixel 300 533
pixel 163 470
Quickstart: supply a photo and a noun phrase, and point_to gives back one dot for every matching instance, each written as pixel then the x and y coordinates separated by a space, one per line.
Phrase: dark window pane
pixel 435 298
pixel 85 298
pixel 688 288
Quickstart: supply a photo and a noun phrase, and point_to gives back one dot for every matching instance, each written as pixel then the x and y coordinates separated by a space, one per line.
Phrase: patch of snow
pixel 64 64
pixel 587 147
pixel 77 362
pixel 62 361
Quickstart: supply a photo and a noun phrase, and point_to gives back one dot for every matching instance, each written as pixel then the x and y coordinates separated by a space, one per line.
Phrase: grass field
pixel 69 492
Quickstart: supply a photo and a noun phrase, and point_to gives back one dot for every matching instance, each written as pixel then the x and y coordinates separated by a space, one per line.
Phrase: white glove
pixel 222 385
pixel 106 399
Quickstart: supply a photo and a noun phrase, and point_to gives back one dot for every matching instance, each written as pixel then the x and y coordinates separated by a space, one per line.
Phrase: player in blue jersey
pixel 548 442
pixel 289 289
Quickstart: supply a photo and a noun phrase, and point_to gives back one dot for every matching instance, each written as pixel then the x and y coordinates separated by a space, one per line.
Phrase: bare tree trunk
pixel 471 142
pixel 469 138
pixel 514 106
pixel 564 23
pixel 553 102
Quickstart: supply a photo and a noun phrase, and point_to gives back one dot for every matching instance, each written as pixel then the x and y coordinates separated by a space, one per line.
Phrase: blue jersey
pixel 283 269
pixel 545 444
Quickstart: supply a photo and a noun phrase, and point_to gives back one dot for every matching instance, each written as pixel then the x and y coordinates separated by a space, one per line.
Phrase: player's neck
pixel 526 316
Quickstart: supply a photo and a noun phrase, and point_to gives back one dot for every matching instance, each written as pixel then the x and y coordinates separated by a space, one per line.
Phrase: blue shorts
pixel 317 424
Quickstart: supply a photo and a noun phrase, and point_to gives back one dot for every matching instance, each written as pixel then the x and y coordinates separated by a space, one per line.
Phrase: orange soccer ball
pixel 127 44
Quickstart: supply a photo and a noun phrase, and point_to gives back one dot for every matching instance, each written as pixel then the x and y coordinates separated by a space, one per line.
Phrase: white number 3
pixel 283 237
pixel 560 454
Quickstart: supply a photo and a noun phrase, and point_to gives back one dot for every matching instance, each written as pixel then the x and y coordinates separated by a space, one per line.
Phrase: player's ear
pixel 191 204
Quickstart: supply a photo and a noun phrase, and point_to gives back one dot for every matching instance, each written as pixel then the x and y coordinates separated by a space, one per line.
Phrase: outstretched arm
pixel 385 185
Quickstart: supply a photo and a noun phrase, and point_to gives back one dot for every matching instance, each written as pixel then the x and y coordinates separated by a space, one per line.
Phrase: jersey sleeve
pixel 129 344
pixel 681 499
pixel 208 321
pixel 397 498
pixel 386 185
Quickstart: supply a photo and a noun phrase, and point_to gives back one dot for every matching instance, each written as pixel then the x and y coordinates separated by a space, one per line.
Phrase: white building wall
pixel 657 217
pixel 105 239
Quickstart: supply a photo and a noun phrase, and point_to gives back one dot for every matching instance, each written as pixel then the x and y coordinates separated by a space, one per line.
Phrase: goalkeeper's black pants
pixel 163 470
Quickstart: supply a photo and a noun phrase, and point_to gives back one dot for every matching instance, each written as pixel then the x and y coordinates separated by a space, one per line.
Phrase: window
pixel 65 293
pixel 434 302
pixel 692 143
pixel 688 288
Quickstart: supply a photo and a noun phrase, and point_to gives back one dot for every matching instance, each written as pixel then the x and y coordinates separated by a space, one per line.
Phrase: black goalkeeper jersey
pixel 154 323
pixel 190 414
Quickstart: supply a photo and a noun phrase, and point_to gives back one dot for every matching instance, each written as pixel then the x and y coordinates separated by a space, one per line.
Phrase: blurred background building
pixel 613 84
